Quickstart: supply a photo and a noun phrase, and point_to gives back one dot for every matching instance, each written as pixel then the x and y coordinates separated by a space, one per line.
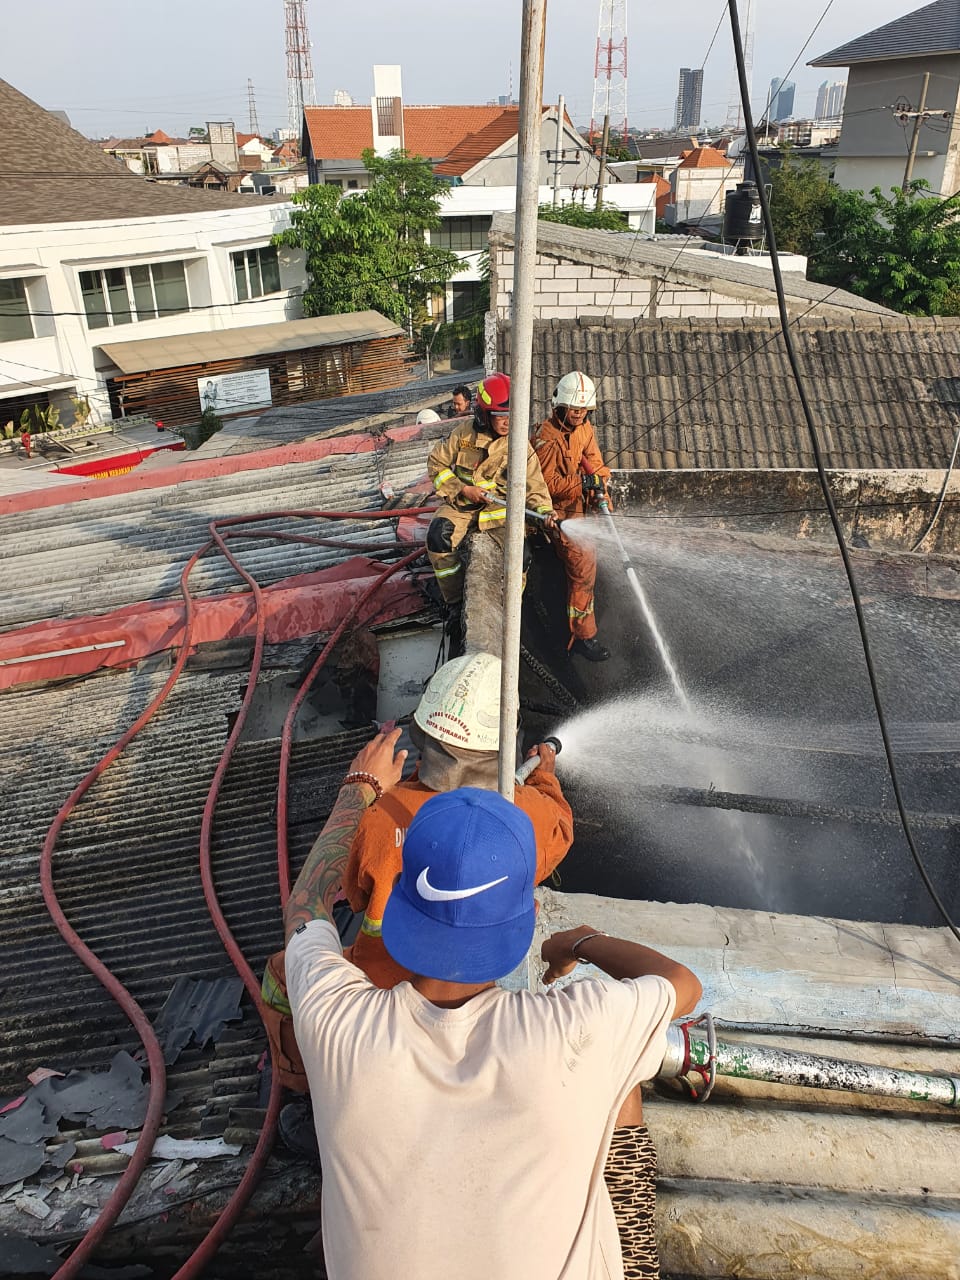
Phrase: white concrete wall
pixel 872 150
pixel 566 290
pixel 67 349
pixel 698 192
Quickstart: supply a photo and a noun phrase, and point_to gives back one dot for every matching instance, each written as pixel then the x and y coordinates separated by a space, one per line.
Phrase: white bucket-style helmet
pixel 461 704
pixel 427 415
pixel 575 391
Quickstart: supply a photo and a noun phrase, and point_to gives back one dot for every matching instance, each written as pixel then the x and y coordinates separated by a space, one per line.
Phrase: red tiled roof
pixel 477 146
pixel 663 192
pixel 704 158
pixel 159 137
pixel 342 133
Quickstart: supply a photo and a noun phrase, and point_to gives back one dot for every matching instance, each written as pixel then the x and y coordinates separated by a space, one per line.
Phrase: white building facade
pixel 67 288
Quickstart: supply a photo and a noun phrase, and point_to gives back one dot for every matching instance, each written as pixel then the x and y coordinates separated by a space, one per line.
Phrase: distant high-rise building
pixel 830 99
pixel 689 95
pixel 780 98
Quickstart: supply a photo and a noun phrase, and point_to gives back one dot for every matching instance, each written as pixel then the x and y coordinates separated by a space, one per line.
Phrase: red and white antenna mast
pixel 300 89
pixel 610 70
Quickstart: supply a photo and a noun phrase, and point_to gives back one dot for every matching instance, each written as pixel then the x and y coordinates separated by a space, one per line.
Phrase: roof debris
pixel 197 1010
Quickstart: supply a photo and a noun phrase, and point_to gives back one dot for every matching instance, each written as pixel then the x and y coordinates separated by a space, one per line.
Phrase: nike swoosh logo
pixel 428 892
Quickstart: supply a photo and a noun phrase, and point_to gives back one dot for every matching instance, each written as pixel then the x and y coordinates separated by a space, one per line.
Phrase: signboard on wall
pixel 234 392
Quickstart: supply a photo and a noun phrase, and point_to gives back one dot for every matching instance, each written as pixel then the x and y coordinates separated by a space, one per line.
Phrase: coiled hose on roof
pixel 220 531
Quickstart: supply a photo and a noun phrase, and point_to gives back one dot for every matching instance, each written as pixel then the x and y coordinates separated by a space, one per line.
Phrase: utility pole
pixel 919 116
pixel 532 36
pixel 558 156
pixel 604 148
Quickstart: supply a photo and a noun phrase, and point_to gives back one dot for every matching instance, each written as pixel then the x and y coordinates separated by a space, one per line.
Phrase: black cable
pixel 816 28
pixel 713 38
pixel 821 472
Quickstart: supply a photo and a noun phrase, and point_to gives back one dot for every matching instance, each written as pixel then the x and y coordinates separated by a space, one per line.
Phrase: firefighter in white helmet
pixel 456 728
pixel 576 477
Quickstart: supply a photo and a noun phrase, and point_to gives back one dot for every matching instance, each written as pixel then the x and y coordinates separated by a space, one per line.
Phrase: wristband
pixel 587 937
pixel 361 775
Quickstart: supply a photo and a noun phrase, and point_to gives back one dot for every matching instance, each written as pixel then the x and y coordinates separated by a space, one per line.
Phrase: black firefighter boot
pixel 590 649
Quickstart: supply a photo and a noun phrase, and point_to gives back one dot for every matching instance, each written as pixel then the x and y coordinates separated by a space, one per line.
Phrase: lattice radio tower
pixel 252 109
pixel 735 109
pixel 300 88
pixel 610 70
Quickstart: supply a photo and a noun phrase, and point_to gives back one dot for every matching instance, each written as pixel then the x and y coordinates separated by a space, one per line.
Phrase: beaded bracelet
pixel 360 775
pixel 587 937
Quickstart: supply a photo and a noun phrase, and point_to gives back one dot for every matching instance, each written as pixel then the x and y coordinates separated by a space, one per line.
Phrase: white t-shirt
pixel 468 1144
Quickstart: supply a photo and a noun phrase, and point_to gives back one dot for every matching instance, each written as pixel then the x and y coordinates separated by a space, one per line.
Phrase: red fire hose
pixel 220 530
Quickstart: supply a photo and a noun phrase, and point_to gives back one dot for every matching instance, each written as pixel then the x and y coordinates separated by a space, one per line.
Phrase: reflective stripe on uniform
pixel 274 995
pixel 442 477
pixel 580 613
pixel 372 928
pixel 447 573
pixel 494 515
pixel 486 484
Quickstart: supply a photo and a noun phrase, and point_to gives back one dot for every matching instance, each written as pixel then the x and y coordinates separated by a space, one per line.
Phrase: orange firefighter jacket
pixel 472 456
pixel 374 860
pixel 560 454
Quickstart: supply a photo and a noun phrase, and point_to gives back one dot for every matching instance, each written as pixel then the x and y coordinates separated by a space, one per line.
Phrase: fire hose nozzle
pixel 528 766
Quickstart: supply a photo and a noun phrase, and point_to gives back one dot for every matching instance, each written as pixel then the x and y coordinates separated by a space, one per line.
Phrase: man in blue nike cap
pixel 463 1127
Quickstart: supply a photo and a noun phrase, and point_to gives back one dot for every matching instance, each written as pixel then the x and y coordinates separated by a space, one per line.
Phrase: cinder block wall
pixel 566 290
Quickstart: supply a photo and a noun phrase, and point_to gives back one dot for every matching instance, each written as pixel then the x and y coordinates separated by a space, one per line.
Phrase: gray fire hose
pixel 528 766
pixel 709 1057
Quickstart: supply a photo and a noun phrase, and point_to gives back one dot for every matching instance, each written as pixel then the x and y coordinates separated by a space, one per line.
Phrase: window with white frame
pixel 121 295
pixel 15 321
pixel 256 271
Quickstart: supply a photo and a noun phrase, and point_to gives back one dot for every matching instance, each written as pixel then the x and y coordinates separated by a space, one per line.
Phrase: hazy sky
pixel 123 66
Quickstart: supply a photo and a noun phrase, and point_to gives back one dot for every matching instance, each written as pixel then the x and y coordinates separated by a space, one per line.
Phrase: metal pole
pixel 525 237
pixel 604 147
pixel 807 1070
pixel 558 154
pixel 918 121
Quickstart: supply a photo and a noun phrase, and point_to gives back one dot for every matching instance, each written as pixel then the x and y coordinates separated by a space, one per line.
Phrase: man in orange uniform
pixel 568 454
pixel 456 727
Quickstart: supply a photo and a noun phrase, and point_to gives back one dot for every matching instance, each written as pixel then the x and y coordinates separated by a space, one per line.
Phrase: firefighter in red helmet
pixel 469 470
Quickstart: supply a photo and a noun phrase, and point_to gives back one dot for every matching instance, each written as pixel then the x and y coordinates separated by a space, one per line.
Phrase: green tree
pixel 902 250
pixel 578 215
pixel 370 250
pixel 801 196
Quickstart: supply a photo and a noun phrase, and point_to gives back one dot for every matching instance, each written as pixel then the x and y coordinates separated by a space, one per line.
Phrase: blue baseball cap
pixel 462 910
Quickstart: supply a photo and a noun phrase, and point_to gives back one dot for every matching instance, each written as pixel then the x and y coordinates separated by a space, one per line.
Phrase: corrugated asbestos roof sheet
pixel 94 556
pixel 126 868
pixel 719 393
pixel 933 29
pixel 51 173
pixel 636 256
pixel 289 423
pixel 249 340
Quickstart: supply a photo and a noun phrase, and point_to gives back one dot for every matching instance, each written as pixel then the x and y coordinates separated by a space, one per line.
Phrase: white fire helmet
pixel 576 391
pixel 461 704
pixel 427 415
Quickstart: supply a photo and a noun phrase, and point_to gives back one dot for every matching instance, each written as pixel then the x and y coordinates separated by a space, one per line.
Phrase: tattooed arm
pixel 312 896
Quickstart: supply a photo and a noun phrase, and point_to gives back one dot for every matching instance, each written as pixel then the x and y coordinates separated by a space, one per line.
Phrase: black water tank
pixel 742 217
